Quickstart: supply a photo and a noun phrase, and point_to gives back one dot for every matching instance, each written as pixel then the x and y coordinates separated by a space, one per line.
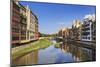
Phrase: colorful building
pixel 76 29
pixel 89 28
pixel 15 24
pixel 65 33
pixel 24 24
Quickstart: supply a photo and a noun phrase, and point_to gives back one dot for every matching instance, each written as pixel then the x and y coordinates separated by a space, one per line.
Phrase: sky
pixel 52 17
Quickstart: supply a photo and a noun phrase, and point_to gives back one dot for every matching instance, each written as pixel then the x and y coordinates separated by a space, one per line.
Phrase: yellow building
pixel 32 24
pixel 77 29
pixel 64 32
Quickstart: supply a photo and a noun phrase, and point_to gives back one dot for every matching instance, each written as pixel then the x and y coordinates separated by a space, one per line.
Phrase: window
pixel 15 38
pixel 89 38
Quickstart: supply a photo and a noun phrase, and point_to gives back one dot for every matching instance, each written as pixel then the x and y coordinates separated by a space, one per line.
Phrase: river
pixel 64 54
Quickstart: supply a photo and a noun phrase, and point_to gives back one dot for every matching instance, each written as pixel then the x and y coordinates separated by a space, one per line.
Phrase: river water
pixel 64 54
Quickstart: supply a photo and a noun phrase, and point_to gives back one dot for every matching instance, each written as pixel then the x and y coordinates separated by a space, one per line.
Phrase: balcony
pixel 85 33
pixel 23 16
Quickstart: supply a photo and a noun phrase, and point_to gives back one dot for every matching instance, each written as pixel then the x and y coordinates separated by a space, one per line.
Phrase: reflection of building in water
pixel 31 58
pixel 64 48
pixel 36 57
pixel 93 55
pixel 78 53
pixel 74 51
pixel 82 54
pixel 86 54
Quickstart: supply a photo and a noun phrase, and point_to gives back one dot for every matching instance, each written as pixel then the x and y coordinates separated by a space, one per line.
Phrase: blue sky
pixel 52 16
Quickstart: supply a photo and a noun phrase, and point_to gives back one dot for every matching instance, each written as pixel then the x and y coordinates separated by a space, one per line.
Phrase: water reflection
pixel 65 53
pixel 78 53
pixel 31 58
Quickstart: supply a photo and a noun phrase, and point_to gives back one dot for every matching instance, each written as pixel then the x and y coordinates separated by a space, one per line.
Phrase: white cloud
pixel 90 17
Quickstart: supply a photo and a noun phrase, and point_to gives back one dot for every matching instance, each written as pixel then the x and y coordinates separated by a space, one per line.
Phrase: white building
pixel 87 28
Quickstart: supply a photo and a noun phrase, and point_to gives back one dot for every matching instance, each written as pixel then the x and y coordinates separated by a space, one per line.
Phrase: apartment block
pixel 32 25
pixel 89 29
pixel 24 24
pixel 15 24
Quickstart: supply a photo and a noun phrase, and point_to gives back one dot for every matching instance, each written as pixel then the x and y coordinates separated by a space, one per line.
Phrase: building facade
pixel 24 24
pixel 76 29
pixel 36 28
pixel 89 29
pixel 93 28
pixel 64 32
pixel 15 24
pixel 32 25
pixel 94 31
